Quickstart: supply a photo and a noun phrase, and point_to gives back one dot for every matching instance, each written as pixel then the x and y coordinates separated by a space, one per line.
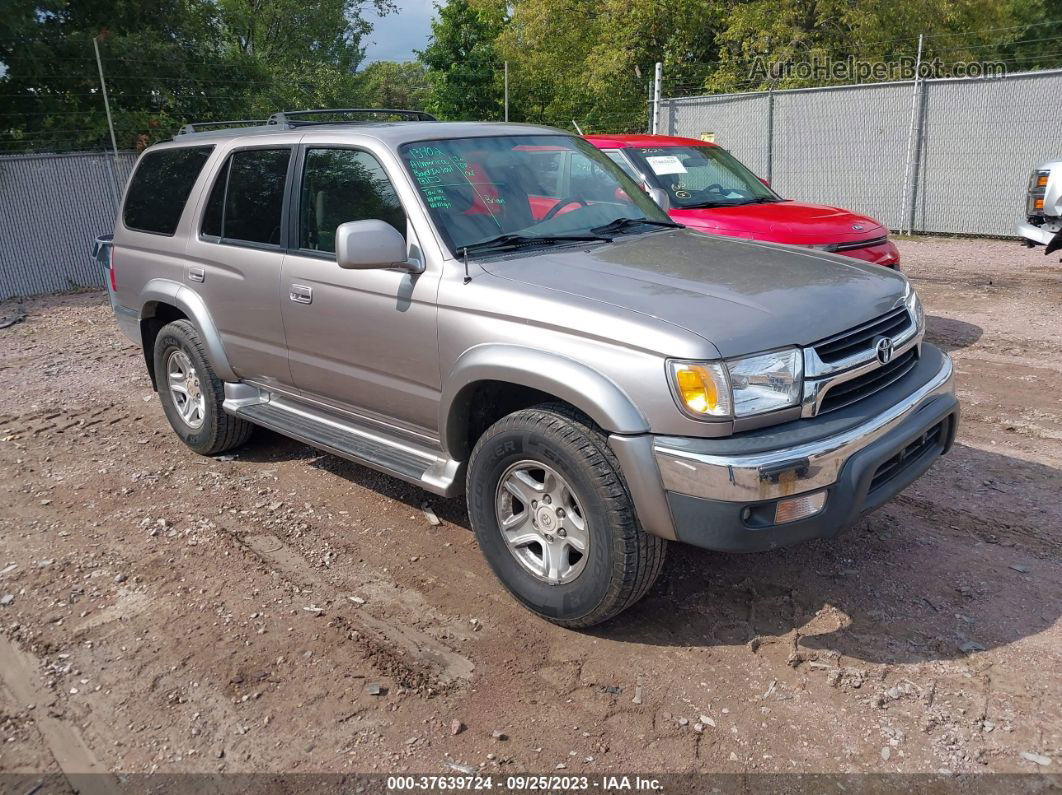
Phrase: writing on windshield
pixel 531 186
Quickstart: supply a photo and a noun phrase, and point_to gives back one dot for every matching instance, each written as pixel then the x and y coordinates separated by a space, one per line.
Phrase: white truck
pixel 1043 208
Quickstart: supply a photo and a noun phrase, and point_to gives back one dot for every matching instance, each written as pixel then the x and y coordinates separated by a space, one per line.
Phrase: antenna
pixel 467 277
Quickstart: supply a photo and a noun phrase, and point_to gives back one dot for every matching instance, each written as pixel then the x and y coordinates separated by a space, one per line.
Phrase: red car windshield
pixel 526 189
pixel 702 176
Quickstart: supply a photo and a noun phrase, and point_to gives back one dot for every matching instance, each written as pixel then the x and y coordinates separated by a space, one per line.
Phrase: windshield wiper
pixel 620 224
pixel 511 241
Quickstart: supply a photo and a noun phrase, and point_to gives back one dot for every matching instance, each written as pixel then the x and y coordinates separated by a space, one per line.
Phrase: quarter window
pixel 340 185
pixel 160 188
pixel 247 199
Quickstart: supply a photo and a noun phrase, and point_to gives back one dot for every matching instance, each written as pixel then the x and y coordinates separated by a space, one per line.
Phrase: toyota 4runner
pixel 500 311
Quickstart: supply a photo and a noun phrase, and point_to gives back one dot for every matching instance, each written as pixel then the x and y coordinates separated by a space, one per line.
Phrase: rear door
pixel 361 340
pixel 235 259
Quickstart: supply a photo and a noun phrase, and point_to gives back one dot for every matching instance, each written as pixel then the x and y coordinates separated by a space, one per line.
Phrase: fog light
pixel 794 508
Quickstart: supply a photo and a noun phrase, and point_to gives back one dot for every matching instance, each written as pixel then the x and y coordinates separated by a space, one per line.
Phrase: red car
pixel 709 190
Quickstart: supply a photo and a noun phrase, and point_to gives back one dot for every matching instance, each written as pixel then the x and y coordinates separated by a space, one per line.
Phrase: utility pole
pixel 106 101
pixel 658 81
pixel 110 122
pixel 507 91
pixel 910 141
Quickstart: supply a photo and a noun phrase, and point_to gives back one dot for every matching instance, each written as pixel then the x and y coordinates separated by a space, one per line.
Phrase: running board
pixel 345 437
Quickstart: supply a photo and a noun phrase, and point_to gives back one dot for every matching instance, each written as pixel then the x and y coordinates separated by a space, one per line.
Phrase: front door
pixel 361 340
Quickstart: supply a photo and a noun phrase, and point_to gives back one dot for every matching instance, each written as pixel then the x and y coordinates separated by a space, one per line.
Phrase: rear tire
pixel 191 393
pixel 553 450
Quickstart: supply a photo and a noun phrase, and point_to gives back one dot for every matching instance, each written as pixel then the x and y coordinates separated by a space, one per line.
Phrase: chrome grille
pixel 843 369
pixel 858 244
pixel 861 338
pixel 848 392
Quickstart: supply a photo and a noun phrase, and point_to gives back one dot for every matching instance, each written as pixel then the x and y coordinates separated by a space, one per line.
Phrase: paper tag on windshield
pixel 665 164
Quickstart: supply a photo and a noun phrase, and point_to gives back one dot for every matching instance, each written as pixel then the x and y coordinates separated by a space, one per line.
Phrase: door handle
pixel 300 294
pixel 196 275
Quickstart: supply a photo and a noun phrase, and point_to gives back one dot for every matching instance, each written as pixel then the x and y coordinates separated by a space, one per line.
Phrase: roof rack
pixel 198 126
pixel 289 116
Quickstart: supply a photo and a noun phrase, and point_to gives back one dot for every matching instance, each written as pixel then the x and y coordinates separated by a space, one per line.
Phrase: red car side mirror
pixel 765 182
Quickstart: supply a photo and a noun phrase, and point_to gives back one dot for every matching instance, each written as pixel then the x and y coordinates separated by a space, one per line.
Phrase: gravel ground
pixel 283 610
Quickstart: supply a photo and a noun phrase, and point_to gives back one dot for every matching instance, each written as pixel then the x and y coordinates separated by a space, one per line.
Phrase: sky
pixel 396 35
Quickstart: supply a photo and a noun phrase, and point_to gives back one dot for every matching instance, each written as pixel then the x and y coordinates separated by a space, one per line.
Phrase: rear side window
pixel 160 187
pixel 247 200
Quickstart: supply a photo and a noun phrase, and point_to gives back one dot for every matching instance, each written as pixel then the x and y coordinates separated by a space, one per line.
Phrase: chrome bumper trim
pixel 817 464
pixel 1039 234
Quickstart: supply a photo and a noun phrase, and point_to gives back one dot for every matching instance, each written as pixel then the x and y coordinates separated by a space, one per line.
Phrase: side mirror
pixel 765 182
pixel 659 195
pixel 366 245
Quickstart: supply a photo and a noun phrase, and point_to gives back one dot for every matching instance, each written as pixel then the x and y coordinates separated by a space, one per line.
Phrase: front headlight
pixel 766 382
pixel 739 387
pixel 914 306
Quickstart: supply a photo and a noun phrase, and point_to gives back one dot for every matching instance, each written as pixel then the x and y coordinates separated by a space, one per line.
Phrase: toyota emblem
pixel 884 350
pixel 857 227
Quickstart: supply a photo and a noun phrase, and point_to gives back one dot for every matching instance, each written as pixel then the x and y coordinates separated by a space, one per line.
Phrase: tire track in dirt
pixel 415 658
pixel 82 770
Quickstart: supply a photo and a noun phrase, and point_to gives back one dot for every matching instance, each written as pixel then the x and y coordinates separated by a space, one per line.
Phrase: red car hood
pixel 783 222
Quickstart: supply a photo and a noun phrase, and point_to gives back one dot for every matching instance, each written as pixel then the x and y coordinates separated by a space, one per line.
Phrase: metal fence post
pixel 658 80
pixel 910 137
pixel 770 132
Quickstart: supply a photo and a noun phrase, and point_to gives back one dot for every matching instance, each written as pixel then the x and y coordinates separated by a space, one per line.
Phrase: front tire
pixel 554 519
pixel 191 393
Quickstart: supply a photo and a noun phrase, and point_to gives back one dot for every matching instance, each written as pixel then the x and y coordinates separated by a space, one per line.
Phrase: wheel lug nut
pixel 560 513
pixel 562 532
pixel 547 499
pixel 534 504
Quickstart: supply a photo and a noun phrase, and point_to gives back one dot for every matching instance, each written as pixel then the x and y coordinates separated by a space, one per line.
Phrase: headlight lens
pixel 766 381
pixel 914 306
pixel 739 387
pixel 701 388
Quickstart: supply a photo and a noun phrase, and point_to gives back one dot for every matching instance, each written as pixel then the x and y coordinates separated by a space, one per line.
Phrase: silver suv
pixel 500 311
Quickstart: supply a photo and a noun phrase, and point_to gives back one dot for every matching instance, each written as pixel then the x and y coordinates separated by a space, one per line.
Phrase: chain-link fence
pixel 944 155
pixel 51 209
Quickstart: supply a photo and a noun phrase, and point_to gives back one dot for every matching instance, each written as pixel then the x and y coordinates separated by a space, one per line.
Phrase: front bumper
pixel 722 493
pixel 884 253
pixel 1040 234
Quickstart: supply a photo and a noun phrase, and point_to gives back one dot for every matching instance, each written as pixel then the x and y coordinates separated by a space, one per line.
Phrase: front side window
pixel 703 176
pixel 523 189
pixel 160 187
pixel 341 185
pixel 247 200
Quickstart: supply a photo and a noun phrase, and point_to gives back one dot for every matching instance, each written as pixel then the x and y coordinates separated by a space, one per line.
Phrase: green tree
pixel 168 62
pixel 299 31
pixel 763 35
pixel 463 64
pixel 387 84
pixel 593 60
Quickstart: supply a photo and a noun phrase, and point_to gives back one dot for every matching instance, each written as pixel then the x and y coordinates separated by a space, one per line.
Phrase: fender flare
pixel 165 291
pixel 596 395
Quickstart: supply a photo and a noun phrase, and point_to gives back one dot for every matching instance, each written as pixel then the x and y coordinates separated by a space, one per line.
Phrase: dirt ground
pixel 167 612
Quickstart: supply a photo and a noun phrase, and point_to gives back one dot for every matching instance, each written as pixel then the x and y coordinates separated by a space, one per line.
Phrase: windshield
pixel 703 176
pixel 507 191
